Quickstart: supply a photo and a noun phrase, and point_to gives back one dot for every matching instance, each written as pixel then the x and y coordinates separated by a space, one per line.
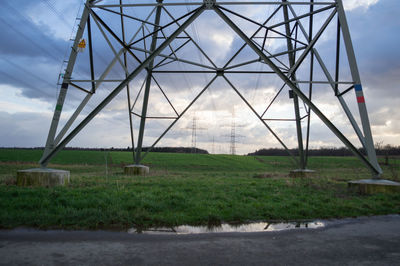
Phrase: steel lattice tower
pixel 148 38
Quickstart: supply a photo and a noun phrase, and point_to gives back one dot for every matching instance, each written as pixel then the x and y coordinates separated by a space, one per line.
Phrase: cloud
pixel 30 59
pixel 13 101
pixel 21 129
pixel 24 36
pixel 354 4
pixel 60 17
pixel 214 36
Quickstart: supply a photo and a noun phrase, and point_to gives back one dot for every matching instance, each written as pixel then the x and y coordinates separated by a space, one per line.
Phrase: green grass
pixel 184 189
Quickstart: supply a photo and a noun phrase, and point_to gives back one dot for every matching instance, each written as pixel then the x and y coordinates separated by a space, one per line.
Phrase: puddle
pixel 227 228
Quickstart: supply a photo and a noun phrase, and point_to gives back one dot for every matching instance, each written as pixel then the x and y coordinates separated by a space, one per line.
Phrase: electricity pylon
pixel 233 136
pixel 152 39
pixel 194 128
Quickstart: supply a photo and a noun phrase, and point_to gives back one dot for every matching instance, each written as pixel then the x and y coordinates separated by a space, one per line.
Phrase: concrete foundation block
pixel 372 186
pixel 136 169
pixel 42 177
pixel 301 173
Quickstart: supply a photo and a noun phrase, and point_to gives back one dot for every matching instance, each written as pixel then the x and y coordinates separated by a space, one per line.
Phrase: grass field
pixel 184 189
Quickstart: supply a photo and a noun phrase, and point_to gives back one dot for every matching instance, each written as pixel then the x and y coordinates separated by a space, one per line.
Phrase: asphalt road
pixel 359 241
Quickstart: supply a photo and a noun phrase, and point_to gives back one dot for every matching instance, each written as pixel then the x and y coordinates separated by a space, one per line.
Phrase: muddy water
pixel 226 228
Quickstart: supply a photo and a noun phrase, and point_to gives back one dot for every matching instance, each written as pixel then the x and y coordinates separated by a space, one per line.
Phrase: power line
pixel 29 23
pixel 54 10
pixel 29 39
pixel 20 67
pixel 25 84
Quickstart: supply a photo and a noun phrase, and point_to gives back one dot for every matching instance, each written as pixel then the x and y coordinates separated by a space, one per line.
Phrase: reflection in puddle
pixel 226 228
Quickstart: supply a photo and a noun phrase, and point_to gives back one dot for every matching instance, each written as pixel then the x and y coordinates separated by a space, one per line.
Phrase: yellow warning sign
pixel 82 44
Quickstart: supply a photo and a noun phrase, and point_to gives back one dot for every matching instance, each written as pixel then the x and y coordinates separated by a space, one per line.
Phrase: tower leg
pixel 302 161
pixel 147 88
pixel 64 87
pixel 127 86
pixel 369 143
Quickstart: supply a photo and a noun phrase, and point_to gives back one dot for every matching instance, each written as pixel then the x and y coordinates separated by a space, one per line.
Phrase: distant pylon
pixel 234 136
pixel 194 129
pixel 232 148
pixel 194 134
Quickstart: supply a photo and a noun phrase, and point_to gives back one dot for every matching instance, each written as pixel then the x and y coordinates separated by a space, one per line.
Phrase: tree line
pixel 144 149
pixel 381 150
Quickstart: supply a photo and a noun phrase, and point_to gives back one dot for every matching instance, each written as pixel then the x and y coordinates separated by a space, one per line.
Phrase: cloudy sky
pixel 36 40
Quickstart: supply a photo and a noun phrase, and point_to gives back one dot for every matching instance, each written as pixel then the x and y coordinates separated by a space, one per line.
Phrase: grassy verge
pixel 184 189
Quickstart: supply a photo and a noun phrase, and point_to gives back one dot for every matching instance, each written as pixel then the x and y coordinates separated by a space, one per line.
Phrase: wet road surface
pixel 358 241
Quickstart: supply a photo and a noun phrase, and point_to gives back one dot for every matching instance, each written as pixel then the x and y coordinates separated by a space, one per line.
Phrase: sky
pixel 36 40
